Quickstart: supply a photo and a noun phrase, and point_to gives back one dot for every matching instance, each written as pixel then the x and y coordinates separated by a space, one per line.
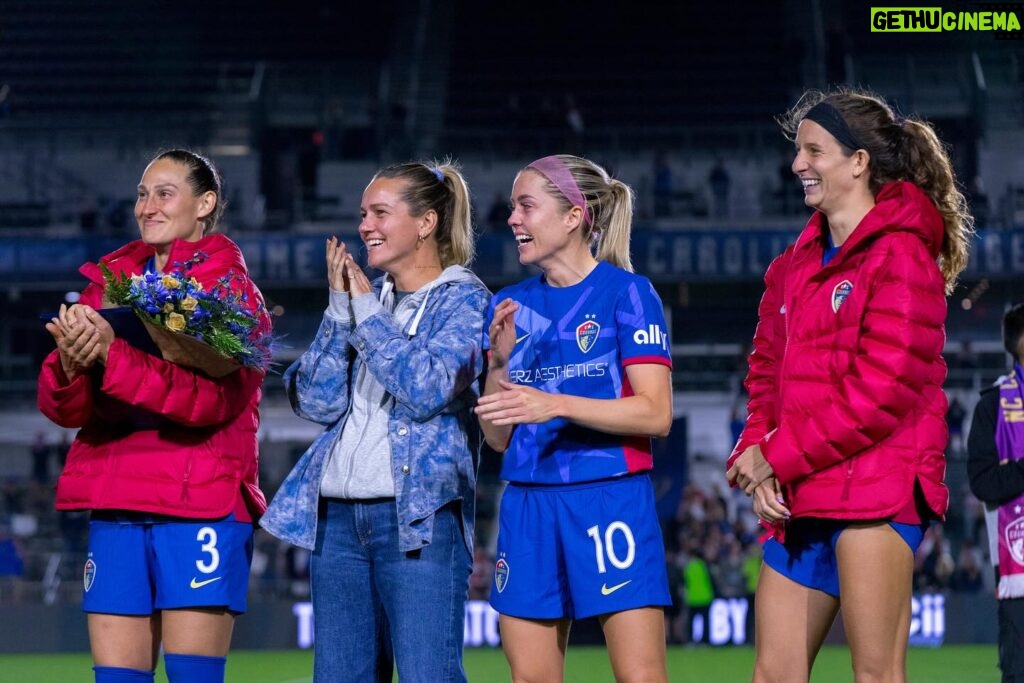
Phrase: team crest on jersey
pixel 501 574
pixel 586 333
pixel 88 574
pixel 839 294
pixel 1015 539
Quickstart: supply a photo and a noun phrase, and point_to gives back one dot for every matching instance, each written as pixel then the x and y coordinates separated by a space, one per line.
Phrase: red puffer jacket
pixel 846 373
pixel 195 453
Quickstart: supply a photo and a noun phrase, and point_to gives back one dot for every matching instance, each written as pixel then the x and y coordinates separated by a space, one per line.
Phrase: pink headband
pixel 555 170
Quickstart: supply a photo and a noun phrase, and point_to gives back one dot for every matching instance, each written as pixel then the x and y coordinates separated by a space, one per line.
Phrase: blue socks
pixel 192 669
pixel 113 674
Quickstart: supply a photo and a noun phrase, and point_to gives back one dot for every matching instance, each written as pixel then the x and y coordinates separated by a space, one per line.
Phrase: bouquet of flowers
pixel 209 330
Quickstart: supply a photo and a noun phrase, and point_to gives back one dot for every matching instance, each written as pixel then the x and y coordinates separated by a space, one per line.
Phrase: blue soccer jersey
pixel 578 340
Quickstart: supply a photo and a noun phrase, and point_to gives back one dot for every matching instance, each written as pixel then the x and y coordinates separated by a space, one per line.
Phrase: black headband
pixel 826 116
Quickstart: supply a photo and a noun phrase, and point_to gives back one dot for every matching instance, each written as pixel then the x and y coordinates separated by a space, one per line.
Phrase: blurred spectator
pixel 62 448
pixel 296 569
pixel 12 566
pixel 663 185
pixel 934 561
pixel 968 575
pixel 515 122
pixel 74 533
pixel 719 182
pixel 955 416
pixel 5 100
pixel 674 613
pixel 14 497
pixel 752 567
pixel 574 127
pixel 88 215
pixel 498 213
pixel 727 572
pixel 482 575
pixel 40 459
pixel 966 359
pixel 699 591
pixel 979 203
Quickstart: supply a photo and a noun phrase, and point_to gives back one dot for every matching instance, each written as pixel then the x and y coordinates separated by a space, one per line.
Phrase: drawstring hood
pixel 419 298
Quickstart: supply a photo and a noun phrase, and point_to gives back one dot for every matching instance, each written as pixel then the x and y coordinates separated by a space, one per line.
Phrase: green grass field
pixel 951 664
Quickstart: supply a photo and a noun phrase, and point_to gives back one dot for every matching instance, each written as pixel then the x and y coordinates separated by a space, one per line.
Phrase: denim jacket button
pixel 405 470
pixel 402 431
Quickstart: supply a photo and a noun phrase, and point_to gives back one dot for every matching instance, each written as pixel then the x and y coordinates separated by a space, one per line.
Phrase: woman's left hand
pixel 358 283
pixel 106 332
pixel 517 404
pixel 749 470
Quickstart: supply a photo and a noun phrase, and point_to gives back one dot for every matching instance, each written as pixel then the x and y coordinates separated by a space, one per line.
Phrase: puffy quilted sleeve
pixel 901 336
pixel 763 362
pixel 177 393
pixel 68 404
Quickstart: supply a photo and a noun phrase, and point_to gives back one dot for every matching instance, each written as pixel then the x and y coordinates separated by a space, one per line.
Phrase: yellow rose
pixel 170 282
pixel 176 322
pixel 189 303
pixel 168 308
pixel 195 283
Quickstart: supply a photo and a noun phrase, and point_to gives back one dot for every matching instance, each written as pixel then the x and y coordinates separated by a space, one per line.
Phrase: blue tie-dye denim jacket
pixel 433 378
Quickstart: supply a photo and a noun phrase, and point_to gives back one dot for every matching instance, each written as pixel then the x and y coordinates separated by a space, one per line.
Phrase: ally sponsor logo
pixel 1002 19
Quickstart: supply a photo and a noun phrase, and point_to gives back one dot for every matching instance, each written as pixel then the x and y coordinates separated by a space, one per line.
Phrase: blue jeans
pixel 373 604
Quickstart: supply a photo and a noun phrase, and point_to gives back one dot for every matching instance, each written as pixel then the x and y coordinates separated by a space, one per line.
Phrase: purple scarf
pixel 1010 518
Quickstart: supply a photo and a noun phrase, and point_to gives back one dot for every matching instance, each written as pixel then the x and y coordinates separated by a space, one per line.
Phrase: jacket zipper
pixel 184 482
pixel 849 480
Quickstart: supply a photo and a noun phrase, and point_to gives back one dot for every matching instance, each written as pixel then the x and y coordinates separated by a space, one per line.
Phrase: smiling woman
pixel 385 497
pixel 578 382
pixel 166 456
pixel 843 448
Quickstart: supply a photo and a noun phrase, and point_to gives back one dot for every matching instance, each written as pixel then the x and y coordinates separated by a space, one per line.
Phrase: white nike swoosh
pixel 523 337
pixel 608 590
pixel 200 584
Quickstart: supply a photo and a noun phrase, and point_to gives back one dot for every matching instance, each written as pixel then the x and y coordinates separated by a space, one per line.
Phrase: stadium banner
pixel 297 260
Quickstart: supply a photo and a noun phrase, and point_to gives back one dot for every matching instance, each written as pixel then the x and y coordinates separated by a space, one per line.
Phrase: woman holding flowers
pixel 166 455
pixel 385 497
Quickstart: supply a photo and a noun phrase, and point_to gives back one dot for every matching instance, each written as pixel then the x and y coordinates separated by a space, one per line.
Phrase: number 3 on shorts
pixel 608 548
pixel 208 537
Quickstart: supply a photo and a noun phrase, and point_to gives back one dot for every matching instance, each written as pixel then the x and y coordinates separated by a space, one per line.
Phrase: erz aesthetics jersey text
pixel 578 340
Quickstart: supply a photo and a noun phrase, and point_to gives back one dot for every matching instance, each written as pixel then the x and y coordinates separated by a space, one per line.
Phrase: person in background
pixel 578 382
pixel 385 497
pixel 995 470
pixel 166 457
pixel 843 448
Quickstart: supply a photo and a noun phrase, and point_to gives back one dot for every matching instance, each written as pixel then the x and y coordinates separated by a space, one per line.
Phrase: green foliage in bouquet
pixel 219 317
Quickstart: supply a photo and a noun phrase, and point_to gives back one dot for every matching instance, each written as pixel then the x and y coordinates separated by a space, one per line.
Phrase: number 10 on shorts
pixel 607 547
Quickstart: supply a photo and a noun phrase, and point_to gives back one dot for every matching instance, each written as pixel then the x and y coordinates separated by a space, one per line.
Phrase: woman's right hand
pixel 337 260
pixel 502 333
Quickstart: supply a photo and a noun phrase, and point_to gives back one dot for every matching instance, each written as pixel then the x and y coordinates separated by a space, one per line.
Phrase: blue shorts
pixel 579 550
pixel 808 556
pixel 139 564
